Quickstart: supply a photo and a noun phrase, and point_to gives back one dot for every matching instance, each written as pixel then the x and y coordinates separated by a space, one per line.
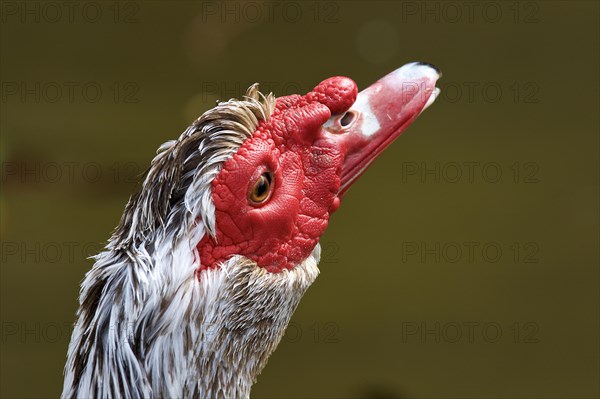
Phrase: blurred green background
pixel 464 264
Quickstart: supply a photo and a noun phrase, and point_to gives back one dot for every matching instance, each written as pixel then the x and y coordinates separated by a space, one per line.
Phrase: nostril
pixel 348 118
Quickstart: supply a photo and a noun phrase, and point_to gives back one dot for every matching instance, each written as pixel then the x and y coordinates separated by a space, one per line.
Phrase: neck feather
pixel 149 327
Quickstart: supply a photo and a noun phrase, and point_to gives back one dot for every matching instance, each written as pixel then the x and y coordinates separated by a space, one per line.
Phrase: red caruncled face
pixel 274 197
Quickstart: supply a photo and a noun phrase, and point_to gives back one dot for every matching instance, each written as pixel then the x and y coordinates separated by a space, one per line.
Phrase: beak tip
pixel 435 68
pixel 431 99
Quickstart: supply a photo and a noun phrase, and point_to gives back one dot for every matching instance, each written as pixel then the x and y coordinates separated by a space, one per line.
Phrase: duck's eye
pixel 261 190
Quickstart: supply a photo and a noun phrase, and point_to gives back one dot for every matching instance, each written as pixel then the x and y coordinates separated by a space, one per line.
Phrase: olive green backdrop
pixel 464 264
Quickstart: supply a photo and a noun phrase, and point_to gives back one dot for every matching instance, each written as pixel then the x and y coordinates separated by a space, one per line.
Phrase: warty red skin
pixel 306 163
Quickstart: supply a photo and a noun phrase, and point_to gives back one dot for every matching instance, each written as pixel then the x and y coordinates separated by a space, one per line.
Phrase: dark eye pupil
pixel 262 186
pixel 260 191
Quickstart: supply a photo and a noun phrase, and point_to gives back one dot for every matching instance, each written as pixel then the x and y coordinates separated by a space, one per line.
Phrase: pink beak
pixel 380 114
